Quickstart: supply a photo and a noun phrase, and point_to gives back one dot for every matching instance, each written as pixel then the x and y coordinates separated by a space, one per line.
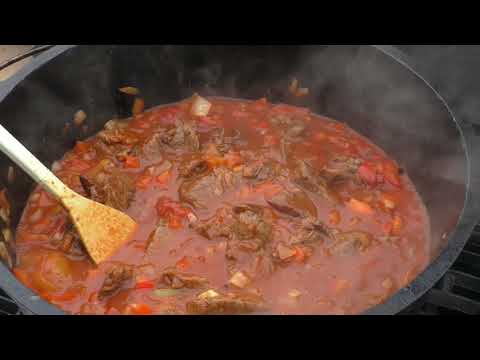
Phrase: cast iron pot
pixel 372 88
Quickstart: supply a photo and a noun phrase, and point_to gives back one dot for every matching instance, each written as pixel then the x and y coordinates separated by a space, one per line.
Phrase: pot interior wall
pixel 359 85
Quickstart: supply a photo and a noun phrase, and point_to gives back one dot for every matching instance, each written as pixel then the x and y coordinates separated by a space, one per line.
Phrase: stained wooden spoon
pixel 103 230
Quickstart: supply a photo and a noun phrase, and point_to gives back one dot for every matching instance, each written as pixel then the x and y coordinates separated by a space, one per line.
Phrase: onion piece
pixel 129 90
pixel 295 294
pixel 239 279
pixel 161 293
pixel 79 118
pixel 200 106
pixel 302 92
pixel 209 294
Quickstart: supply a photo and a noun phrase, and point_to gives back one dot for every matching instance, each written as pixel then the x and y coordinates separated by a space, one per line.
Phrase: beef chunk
pixel 71 243
pixel 152 147
pixel 114 189
pixel 216 227
pixel 311 231
pixel 306 177
pixel 199 190
pixel 115 133
pixel 117 276
pixel 193 168
pixel 349 243
pixel 177 280
pixel 295 130
pixel 223 144
pixel 156 170
pixel 295 203
pixel 180 136
pixel 252 221
pixel 340 168
pixel 262 170
pixel 225 304
pixel 183 135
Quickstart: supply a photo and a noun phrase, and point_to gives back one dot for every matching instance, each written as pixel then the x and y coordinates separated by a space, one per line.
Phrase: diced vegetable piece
pixel 79 118
pixel 81 147
pixel 143 181
pixel 320 136
pixel 390 172
pixel 387 283
pixel 131 162
pixel 334 217
pixel 294 293
pixel 164 177
pixel 367 173
pixel 340 285
pixel 239 279
pixel 183 263
pixel 360 207
pixel 139 309
pixel 389 204
pixel 129 90
pixel 300 255
pixel 302 92
pixel 285 252
pixel 270 140
pixel 263 125
pixel 146 284
pixel 138 106
pixel 397 224
pixel 209 294
pixel 161 293
pixel 200 106
pixel 232 160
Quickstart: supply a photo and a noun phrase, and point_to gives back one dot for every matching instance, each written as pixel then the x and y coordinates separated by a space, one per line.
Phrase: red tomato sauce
pixel 254 208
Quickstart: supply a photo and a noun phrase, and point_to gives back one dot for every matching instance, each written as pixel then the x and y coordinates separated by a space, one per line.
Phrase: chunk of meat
pixel 156 170
pixel 341 168
pixel 250 171
pixel 306 177
pixel 193 168
pixel 152 147
pixel 252 222
pixel 223 143
pixel 115 132
pixel 200 190
pixel 217 226
pixel 225 304
pixel 295 130
pixel 349 243
pixel 114 189
pixel 293 203
pixel 311 231
pixel 177 280
pixel 182 135
pixel 71 243
pixel 117 277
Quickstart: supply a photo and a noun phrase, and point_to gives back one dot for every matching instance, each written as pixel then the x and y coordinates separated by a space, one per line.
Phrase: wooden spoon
pixel 103 230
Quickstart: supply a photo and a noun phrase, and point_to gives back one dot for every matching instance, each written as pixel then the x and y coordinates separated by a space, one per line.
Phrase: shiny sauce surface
pixel 253 208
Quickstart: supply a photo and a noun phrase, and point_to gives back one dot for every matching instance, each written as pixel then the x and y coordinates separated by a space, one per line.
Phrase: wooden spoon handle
pixel 31 165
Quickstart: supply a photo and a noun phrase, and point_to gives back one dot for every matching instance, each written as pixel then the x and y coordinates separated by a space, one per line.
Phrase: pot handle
pixel 35 50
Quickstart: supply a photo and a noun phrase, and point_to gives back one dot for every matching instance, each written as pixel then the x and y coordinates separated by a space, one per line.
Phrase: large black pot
pixel 372 88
